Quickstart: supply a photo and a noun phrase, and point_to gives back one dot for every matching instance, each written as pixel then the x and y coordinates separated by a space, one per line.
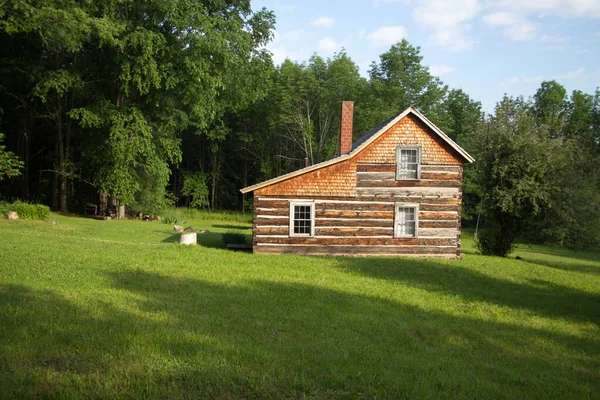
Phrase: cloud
pixel 578 73
pixel 279 47
pixel 555 8
pixel 521 79
pixel 439 70
pixel 514 26
pixel 324 22
pixel 448 20
pixel 327 45
pixel 387 35
pixel 554 39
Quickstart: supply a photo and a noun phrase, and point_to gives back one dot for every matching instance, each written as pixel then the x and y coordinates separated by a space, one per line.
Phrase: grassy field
pixel 98 309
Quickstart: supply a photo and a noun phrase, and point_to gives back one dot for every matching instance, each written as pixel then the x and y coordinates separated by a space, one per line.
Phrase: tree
pixel 10 165
pixel 514 166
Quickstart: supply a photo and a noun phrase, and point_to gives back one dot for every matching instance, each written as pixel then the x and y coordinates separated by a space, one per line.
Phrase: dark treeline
pixel 177 102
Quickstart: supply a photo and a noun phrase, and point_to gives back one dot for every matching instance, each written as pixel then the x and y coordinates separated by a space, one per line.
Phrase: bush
pixel 173 220
pixel 234 238
pixel 28 211
pixel 491 242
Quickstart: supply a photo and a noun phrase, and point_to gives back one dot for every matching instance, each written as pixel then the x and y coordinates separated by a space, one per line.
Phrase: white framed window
pixel 302 218
pixel 406 220
pixel 408 162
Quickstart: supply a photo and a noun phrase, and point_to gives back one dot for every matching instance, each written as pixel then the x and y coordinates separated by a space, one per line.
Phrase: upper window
pixel 302 218
pixel 406 220
pixel 408 162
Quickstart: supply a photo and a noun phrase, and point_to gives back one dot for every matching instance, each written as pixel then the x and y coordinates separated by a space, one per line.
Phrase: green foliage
pixel 514 166
pixel 195 187
pixel 27 211
pixel 494 242
pixel 10 164
pixel 172 220
pixel 232 237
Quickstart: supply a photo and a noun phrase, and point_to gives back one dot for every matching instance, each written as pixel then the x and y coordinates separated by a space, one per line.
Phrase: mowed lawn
pixel 117 309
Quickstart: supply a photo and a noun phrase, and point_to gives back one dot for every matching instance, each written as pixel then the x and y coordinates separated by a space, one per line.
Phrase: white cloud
pixel 387 35
pixel 281 43
pixel 578 73
pixel 324 22
pixel 554 39
pixel 514 26
pixel 448 20
pixel 327 45
pixel 521 79
pixel 440 70
pixel 556 8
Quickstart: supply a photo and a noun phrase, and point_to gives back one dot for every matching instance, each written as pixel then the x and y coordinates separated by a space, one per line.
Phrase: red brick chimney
pixel 346 127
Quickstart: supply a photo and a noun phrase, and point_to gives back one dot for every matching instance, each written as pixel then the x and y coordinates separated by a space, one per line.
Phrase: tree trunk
pixel 63 183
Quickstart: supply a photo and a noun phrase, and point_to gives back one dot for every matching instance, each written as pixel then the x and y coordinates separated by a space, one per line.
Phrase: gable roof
pixel 362 143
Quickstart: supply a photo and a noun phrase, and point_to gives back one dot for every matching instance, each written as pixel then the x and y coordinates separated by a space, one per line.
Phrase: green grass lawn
pixel 97 309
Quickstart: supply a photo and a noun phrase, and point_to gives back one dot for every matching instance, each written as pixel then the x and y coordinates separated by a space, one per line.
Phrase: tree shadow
pixel 230 226
pixel 454 280
pixel 186 337
pixel 562 259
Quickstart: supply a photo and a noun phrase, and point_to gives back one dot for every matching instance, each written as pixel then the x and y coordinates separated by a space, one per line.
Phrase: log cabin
pixel 396 191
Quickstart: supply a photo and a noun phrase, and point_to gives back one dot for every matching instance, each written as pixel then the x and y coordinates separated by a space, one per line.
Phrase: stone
pixel 12 216
pixel 178 228
pixel 188 238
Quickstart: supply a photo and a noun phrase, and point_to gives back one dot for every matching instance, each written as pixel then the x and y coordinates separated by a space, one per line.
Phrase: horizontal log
pixel 408 191
pixel 336 231
pixel 282 230
pixel 439 232
pixel 376 176
pixel 355 206
pixel 359 241
pixel 347 250
pixel 437 167
pixel 267 203
pixel 376 167
pixel 438 224
pixel 439 207
pixel 379 198
pixel 440 175
pixel 273 211
pixel 354 222
pixel 438 215
pixel 278 221
pixel 354 214
pixel 410 183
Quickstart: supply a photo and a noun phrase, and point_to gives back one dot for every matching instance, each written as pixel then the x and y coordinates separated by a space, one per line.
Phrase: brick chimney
pixel 346 127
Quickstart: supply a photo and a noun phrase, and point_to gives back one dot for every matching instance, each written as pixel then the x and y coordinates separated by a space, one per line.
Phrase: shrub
pixel 234 238
pixel 173 220
pixel 29 211
pixel 492 242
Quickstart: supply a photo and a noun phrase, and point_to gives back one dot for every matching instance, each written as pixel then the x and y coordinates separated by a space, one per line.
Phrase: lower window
pixel 302 218
pixel 406 220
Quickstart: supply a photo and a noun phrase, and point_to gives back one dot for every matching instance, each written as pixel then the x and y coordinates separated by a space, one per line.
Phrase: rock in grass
pixel 178 228
pixel 12 215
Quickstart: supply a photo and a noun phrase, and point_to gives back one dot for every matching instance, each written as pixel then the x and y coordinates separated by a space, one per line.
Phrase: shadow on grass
pixel 454 280
pixel 185 337
pixel 208 239
pixel 228 226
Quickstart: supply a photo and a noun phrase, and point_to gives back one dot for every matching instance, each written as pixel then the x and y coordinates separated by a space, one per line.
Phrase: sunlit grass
pixel 118 309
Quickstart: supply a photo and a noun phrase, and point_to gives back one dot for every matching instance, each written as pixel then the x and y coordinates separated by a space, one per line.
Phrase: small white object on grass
pixel 12 215
pixel 188 238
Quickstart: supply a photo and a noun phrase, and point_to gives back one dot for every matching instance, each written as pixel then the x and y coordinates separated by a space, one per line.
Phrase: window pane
pixel 406 221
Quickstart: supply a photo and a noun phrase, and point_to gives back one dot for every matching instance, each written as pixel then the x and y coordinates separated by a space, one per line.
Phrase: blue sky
pixel 487 48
